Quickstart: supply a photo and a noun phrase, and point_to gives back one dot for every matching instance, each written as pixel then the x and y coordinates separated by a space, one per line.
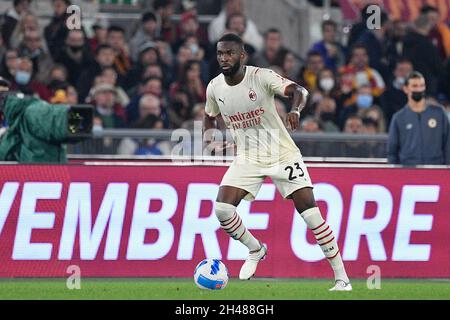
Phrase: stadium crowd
pixel 156 78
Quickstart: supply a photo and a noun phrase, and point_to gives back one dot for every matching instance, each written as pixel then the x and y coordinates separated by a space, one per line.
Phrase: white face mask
pixel 327 84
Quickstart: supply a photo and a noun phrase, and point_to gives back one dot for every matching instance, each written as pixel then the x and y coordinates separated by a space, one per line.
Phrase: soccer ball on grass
pixel 211 274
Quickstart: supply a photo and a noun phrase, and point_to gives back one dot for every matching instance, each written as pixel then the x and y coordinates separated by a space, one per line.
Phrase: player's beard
pixel 233 70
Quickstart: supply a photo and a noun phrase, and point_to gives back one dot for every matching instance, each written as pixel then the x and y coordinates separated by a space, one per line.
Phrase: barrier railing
pixel 128 142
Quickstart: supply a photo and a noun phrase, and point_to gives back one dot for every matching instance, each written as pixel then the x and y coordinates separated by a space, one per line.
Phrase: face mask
pixel 194 48
pixel 327 116
pixel 399 82
pixel 76 49
pixel 418 95
pixel 97 128
pixel 23 77
pixel 364 101
pixel 327 84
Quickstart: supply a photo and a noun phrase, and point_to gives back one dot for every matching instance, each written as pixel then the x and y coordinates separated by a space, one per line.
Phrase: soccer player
pixel 244 96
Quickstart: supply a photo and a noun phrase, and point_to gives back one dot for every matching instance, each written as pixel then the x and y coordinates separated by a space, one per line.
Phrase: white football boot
pixel 341 285
pixel 248 269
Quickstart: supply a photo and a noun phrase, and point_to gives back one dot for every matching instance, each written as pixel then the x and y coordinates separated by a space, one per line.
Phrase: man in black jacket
pixel 419 133
pixel 419 49
pixel 12 18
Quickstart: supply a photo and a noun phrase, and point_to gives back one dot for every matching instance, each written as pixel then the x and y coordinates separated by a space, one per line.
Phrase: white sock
pixel 232 223
pixel 325 239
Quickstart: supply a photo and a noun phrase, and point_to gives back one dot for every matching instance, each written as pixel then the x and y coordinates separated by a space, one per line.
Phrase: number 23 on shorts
pixel 291 169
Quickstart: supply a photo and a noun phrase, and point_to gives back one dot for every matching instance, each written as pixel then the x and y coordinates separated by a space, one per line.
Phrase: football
pixel 211 274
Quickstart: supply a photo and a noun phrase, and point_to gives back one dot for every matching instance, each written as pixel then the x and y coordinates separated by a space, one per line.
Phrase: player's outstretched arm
pixel 299 96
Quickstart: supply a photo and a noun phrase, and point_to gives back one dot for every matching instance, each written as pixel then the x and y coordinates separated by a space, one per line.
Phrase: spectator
pixel 109 76
pixel 147 32
pixel 310 125
pixel 394 98
pixel 237 23
pixel 327 85
pixel 272 46
pixel 58 73
pixel 100 28
pixel 419 133
pixel 359 27
pixel 116 39
pixel 376 149
pixel 149 104
pixel 370 126
pixel 326 113
pixel 29 22
pixel 56 31
pixel 107 109
pixel 287 63
pixel 198 112
pixel 355 148
pixel 189 27
pixel 24 80
pixel 364 100
pixel 104 58
pixel 333 53
pixel 164 12
pixel 33 47
pixel 374 40
pixel 191 83
pixel 376 114
pixel 148 54
pixel 308 74
pixel 358 73
pixel 217 26
pixel 75 55
pixel 165 51
pixel 423 54
pixel 9 64
pixel 395 42
pixel 439 33
pixel 153 86
pixel 11 19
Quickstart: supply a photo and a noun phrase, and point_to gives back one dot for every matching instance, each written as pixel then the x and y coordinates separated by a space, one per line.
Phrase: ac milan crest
pixel 252 95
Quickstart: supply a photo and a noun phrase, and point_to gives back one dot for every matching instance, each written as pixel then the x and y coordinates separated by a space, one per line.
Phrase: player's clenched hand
pixel 292 119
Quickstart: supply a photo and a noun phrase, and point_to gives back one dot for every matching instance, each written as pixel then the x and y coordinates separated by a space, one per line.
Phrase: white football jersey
pixel 249 111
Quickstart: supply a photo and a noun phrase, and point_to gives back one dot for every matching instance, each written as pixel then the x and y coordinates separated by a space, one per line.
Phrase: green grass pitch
pixel 185 289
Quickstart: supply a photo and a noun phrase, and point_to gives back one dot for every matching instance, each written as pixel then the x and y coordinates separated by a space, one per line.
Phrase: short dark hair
pixel 231 37
pixel 403 60
pixel 329 23
pixel 161 4
pixel 116 28
pixel 427 8
pixel 147 16
pixel 271 30
pixel 232 16
pixel 102 47
pixel 358 45
pixel 17 2
pixel 413 75
pixel 313 53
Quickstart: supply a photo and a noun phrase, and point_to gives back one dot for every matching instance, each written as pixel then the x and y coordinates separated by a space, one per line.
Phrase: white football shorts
pixel 288 175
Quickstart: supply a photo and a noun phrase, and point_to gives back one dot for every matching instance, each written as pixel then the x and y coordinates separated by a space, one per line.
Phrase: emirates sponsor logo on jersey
pixel 242 120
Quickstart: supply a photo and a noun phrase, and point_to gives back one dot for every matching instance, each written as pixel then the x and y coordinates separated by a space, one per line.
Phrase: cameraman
pixel 38 131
